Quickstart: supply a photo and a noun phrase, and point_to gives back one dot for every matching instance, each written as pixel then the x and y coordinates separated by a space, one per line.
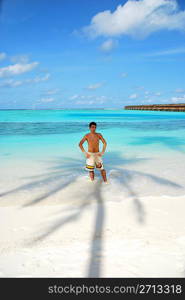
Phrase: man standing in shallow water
pixel 94 157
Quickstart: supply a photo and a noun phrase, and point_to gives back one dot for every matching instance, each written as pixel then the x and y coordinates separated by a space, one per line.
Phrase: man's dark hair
pixel 92 123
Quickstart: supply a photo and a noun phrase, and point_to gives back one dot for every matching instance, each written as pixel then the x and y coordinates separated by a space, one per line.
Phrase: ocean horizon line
pixel 96 108
pixel 62 108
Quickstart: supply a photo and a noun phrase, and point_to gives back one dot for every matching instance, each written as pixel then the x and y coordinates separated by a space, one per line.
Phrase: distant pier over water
pixel 160 107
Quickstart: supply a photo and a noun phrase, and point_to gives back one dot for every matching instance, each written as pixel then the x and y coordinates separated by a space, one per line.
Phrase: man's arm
pixel 81 145
pixel 104 143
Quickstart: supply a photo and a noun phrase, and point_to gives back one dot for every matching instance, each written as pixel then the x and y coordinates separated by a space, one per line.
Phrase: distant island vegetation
pixel 158 107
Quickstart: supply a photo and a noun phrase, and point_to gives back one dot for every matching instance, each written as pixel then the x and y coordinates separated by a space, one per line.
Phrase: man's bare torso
pixel 93 142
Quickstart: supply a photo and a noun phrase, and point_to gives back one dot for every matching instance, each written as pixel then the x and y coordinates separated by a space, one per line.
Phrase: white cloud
pixel 89 99
pixel 2 55
pixel 15 83
pixel 108 45
pixel 138 19
pixel 178 99
pixel 139 87
pixel 21 58
pixel 101 99
pixel 147 100
pixel 167 52
pixel 124 75
pixel 38 79
pixel 11 83
pixel 147 93
pixel 74 97
pixel 81 97
pixel 51 92
pixel 85 102
pixel 94 86
pixel 133 96
pixel 17 69
pixel 180 90
pixel 49 99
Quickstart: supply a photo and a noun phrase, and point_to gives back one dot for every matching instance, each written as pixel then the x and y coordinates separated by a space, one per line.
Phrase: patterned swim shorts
pixel 93 161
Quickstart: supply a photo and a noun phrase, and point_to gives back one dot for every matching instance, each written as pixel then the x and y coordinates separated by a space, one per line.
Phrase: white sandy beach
pixel 59 225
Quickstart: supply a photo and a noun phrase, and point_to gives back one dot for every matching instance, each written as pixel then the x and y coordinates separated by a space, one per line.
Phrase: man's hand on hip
pixel 100 153
pixel 87 155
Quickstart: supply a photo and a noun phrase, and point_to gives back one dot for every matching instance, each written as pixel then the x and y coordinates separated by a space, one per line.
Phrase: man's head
pixel 92 126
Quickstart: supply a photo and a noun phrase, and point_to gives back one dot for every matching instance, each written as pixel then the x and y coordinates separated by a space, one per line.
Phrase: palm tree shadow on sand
pixel 59 177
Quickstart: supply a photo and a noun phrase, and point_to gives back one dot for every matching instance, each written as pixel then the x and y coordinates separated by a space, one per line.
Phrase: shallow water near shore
pixel 146 149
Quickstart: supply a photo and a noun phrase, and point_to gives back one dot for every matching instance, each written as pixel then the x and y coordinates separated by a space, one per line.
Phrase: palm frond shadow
pixel 61 170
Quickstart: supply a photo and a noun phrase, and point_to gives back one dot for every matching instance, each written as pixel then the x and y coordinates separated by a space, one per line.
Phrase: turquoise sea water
pixel 27 133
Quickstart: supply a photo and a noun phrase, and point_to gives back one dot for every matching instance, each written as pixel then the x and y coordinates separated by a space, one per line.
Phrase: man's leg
pixel 91 174
pixel 103 174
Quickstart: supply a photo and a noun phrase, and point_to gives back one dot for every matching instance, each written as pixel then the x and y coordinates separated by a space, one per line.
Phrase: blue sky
pixel 91 54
